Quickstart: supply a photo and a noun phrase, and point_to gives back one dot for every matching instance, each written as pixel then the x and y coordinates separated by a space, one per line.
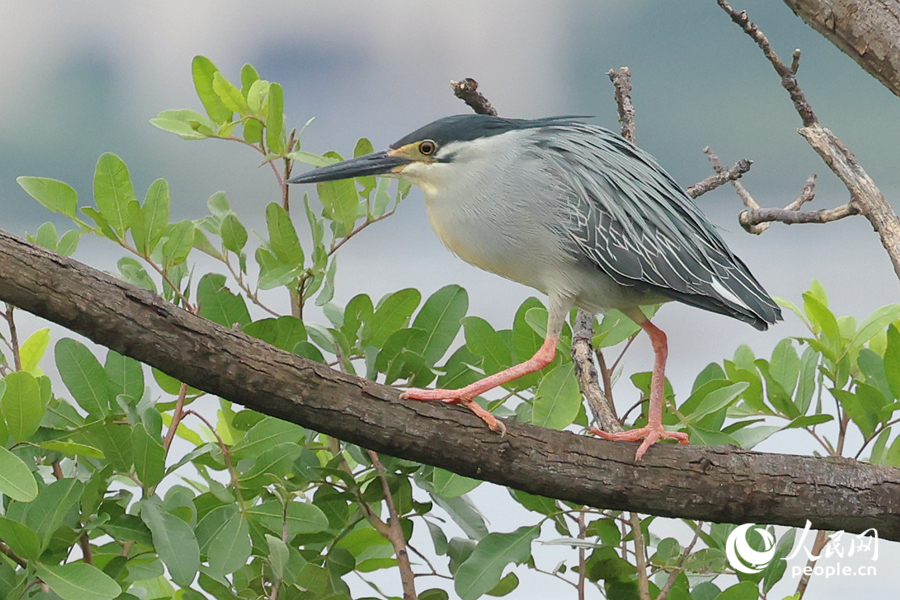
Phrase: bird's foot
pixel 651 434
pixel 457 397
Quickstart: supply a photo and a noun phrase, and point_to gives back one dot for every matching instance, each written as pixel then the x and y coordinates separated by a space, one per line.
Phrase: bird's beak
pixel 377 163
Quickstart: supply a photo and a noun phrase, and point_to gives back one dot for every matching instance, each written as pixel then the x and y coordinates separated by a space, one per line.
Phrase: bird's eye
pixel 427 147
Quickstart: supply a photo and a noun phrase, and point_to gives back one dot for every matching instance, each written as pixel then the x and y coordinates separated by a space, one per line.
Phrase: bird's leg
pixel 653 431
pixel 465 396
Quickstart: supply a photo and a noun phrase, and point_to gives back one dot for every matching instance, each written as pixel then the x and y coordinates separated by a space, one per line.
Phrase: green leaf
pixel 49 511
pixel 267 433
pixel 68 243
pixel 806 385
pixel 16 480
pixel 392 314
pixel 363 147
pixel 273 462
pixel 863 407
pixel 114 440
pixel 79 581
pixel 340 201
pixel 249 76
pixel 275 120
pixel 179 243
pixel 482 340
pixel 21 405
pixel 53 194
pixel 823 320
pixel 392 358
pixel 892 360
pixel 294 518
pixel 149 456
pixel 464 513
pixel 715 400
pixel 746 590
pixel 113 191
pixel 876 322
pixel 126 375
pixel 440 319
pixel 83 376
pixel 482 571
pixel 203 71
pixel 180 128
pixel 73 449
pixel 451 485
pixel 230 548
pixel 218 304
pixel 155 215
pixel 785 365
pixel 558 398
pixel 174 542
pixel 526 341
pixel 230 95
pixel 234 235
pixel 281 332
pixel 23 540
pixel 283 240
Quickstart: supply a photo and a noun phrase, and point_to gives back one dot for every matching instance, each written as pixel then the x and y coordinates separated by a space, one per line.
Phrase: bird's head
pixel 446 148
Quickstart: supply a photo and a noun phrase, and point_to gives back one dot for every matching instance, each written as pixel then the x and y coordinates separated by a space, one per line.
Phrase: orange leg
pixel 465 396
pixel 653 431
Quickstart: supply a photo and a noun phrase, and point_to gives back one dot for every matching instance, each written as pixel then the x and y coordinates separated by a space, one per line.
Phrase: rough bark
pixel 868 31
pixel 721 484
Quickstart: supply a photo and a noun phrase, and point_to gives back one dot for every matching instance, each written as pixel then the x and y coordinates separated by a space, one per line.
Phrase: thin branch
pixel 764 216
pixel 621 81
pixel 582 357
pixel 396 537
pixel 822 538
pixel 467 91
pixel 13 337
pixel 787 74
pixel 679 568
pixel 177 416
pixel 865 197
pixel 720 178
pixel 640 557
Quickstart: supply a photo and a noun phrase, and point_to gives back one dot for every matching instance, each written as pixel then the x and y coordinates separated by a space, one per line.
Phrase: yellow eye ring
pixel 427 147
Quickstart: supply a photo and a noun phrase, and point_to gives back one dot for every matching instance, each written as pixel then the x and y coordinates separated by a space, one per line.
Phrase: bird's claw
pixel 650 434
pixel 455 397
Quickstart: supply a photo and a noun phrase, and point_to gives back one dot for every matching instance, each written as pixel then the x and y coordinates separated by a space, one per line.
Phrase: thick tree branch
pixel 722 484
pixel 868 31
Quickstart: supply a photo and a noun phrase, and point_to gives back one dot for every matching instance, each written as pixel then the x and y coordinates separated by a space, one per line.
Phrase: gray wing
pixel 631 219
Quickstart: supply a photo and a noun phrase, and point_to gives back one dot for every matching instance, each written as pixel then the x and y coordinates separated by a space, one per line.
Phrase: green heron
pixel 577 212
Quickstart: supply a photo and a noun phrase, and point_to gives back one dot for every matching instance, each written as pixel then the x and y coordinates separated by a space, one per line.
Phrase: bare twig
pixel 621 81
pixel 582 357
pixel 720 178
pixel 787 74
pixel 822 538
pixel 177 416
pixel 865 197
pixel 640 557
pixel 679 568
pixel 467 91
pixel 396 537
pixel 763 216
pixel 13 337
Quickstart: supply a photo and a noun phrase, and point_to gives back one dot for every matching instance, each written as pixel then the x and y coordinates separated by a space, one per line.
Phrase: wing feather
pixel 631 219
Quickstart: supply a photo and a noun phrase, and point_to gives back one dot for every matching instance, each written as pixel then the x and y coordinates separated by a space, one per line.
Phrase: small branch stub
pixel 467 91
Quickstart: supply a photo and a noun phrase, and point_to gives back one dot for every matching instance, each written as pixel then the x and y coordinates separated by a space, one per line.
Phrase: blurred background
pixel 84 77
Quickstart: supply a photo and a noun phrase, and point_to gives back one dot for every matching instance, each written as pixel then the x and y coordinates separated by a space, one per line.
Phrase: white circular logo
pixel 741 556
